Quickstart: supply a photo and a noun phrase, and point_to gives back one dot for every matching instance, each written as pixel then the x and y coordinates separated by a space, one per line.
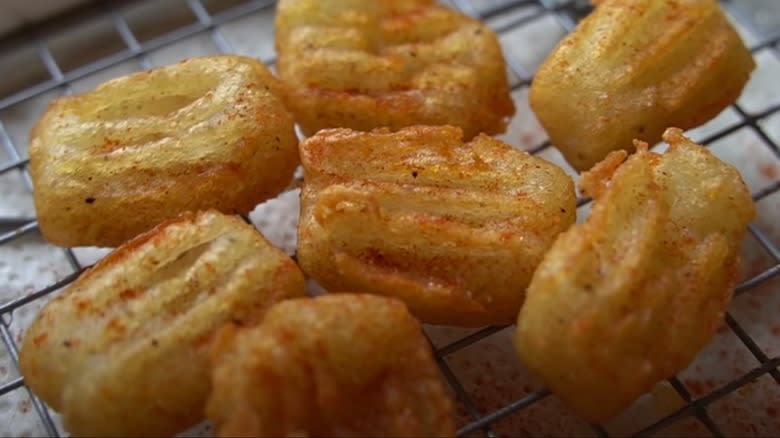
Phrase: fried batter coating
pixel 124 350
pixel 337 365
pixel 629 297
pixel 634 67
pixel 454 229
pixel 204 133
pixel 390 63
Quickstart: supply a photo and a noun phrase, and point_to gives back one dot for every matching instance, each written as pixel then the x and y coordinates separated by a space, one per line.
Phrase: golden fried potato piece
pixel 630 297
pixel 205 133
pixel 337 365
pixel 390 63
pixel 454 229
pixel 124 350
pixel 634 67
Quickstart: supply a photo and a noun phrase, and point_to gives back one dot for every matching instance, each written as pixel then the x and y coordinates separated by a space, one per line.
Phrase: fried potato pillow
pixel 336 365
pixel 454 229
pixel 123 351
pixel 630 296
pixel 389 63
pixel 632 68
pixel 204 133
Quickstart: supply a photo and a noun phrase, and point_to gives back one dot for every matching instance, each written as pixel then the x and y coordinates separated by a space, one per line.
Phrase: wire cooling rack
pixel 36 64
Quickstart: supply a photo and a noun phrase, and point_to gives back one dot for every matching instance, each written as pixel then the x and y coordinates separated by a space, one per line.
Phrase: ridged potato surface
pixel 336 365
pixel 123 351
pixel 390 63
pixel 631 69
pixel 111 163
pixel 630 296
pixel 455 229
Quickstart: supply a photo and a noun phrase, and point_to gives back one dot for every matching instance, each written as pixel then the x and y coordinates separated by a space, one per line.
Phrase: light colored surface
pixel 490 371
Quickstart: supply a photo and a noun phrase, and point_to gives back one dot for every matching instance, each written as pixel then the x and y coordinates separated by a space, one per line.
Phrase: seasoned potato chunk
pixel 124 350
pixel 390 63
pixel 634 67
pixel 205 133
pixel 629 297
pixel 454 229
pixel 336 365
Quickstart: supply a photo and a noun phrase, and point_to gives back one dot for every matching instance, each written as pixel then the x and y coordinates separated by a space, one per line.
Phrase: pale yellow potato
pixel 630 296
pixel 454 229
pixel 390 63
pixel 204 133
pixel 336 365
pixel 124 350
pixel 632 68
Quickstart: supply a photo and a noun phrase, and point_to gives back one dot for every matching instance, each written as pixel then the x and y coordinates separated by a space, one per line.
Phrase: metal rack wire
pixel 565 12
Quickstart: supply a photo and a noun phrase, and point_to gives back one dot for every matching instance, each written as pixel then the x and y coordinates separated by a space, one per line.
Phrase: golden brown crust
pixel 629 297
pixel 124 350
pixel 634 67
pixel 390 63
pixel 336 365
pixel 205 133
pixel 454 229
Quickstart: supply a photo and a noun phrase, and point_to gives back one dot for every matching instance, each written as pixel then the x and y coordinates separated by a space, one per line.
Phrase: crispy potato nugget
pixel 336 365
pixel 630 297
pixel 454 229
pixel 634 67
pixel 205 133
pixel 124 350
pixel 390 63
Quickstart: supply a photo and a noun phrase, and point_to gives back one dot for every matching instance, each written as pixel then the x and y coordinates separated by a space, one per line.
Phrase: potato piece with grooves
pixel 336 365
pixel 124 349
pixel 204 133
pixel 631 69
pixel 630 296
pixel 454 229
pixel 390 63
